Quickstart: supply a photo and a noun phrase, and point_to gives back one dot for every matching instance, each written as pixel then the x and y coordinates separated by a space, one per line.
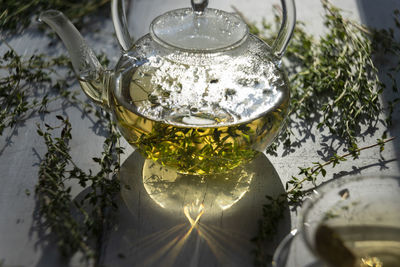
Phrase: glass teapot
pixel 198 93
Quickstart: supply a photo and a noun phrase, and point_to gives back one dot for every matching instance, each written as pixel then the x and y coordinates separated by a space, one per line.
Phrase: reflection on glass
pixel 196 194
pixel 179 219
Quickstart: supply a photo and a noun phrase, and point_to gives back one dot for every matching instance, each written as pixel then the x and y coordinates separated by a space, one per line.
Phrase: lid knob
pixel 199 5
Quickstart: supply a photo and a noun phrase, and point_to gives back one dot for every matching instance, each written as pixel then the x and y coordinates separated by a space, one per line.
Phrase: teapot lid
pixel 199 29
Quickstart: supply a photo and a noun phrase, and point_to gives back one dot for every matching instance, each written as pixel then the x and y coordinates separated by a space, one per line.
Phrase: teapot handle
pixel 120 24
pixel 287 28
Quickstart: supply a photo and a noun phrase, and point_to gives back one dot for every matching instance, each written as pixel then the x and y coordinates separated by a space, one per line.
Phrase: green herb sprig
pixel 28 87
pixel 334 87
pixel 31 83
pixel 322 68
pixel 336 76
pixel 310 174
pixel 273 210
pixel 334 81
pixel 75 225
pixel 364 105
pixel 16 15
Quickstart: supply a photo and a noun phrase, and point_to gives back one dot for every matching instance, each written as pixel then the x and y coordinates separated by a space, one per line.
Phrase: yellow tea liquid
pixel 203 123
pixel 361 246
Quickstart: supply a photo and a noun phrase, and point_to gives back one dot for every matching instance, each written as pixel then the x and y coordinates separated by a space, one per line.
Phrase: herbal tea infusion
pixel 359 246
pixel 198 149
pixel 206 122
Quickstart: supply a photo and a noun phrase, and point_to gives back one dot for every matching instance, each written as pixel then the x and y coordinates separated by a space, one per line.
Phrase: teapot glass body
pixel 198 93
pixel 199 112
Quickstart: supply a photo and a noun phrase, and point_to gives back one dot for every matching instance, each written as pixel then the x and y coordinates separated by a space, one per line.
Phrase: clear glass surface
pixel 347 222
pixel 355 221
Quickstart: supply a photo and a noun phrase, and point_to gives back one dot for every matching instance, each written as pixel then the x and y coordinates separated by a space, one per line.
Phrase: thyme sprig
pixel 273 211
pixel 334 81
pixel 27 86
pixel 310 174
pixel 76 223
pixel 16 15
pixel 334 87
pixel 361 105
pixel 326 74
pixel 31 83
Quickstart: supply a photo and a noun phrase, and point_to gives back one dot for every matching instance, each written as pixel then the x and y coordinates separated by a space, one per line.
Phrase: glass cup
pixel 348 222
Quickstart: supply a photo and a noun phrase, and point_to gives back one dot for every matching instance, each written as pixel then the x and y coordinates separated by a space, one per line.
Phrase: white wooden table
pixel 145 233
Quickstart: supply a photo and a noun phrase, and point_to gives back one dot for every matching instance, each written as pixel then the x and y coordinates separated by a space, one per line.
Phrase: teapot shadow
pixel 146 234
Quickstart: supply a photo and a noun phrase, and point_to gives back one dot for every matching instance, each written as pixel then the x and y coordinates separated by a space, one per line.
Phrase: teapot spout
pixel 92 77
